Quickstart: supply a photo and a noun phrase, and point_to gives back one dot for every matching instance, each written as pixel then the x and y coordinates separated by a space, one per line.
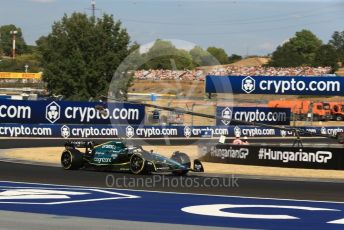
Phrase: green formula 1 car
pixel 117 156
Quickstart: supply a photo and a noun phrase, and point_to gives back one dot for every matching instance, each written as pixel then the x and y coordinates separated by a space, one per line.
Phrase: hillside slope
pixel 253 61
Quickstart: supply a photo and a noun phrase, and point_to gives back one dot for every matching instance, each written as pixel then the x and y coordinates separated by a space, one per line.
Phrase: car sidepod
pixel 163 164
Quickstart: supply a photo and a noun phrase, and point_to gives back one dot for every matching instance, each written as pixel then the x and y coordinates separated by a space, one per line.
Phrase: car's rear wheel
pixel 137 164
pixel 71 159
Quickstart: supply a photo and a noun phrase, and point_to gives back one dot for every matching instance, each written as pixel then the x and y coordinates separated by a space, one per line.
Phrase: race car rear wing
pixel 79 144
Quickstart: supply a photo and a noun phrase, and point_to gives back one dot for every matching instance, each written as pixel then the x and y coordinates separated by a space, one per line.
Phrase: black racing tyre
pixel 181 158
pixel 72 159
pixel 137 164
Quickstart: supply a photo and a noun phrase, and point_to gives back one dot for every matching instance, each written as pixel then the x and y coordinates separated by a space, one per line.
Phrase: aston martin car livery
pixel 117 156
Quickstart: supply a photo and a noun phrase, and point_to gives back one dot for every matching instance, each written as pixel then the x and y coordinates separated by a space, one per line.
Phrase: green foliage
pixel 31 49
pixel 337 42
pixel 200 57
pixel 234 58
pixel 219 53
pixel 326 55
pixel 135 60
pixel 81 55
pixel 286 57
pixel 6 40
pixel 164 55
pixel 18 65
pixel 300 50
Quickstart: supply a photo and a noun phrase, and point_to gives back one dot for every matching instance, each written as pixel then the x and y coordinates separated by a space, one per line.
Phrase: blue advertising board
pixel 286 85
pixel 136 131
pixel 69 112
pixel 7 97
pixel 272 116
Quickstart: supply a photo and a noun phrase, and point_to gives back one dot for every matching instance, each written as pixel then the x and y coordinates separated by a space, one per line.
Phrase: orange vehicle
pixel 337 111
pixel 303 109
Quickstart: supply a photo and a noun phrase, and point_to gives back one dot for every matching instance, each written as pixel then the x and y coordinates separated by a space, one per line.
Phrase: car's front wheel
pixel 71 159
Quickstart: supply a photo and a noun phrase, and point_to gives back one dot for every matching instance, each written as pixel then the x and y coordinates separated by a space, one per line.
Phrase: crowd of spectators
pixel 230 70
pixel 271 71
pixel 161 74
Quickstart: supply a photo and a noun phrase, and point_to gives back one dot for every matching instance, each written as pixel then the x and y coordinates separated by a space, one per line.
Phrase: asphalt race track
pixel 43 197
pixel 273 188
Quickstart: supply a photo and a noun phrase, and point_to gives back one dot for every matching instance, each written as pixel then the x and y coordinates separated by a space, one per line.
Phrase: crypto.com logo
pixel 248 85
pixel 52 112
pixel 226 113
pixel 65 131
pixel 129 131
pixel 187 131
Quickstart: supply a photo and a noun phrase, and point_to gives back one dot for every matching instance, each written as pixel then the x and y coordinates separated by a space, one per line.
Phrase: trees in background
pixel 164 55
pixel 26 55
pixel 285 56
pixel 6 40
pixel 200 57
pixel 337 41
pixel 219 53
pixel 300 50
pixel 81 54
pixel 305 49
pixel 234 58
pixel 326 55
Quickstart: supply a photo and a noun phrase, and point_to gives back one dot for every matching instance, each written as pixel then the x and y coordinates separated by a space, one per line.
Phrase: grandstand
pixel 160 81
pixel 253 66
